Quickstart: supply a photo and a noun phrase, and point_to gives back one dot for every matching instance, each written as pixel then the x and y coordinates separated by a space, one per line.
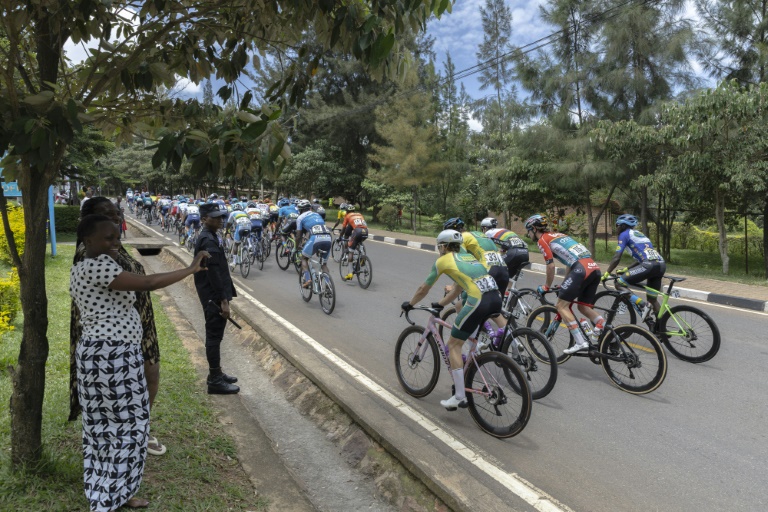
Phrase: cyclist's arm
pixel 550 273
pixel 451 295
pixel 614 261
pixel 421 292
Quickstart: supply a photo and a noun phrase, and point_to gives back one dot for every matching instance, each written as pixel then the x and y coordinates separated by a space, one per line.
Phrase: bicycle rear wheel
pixel 417 365
pixel 542 320
pixel 498 395
pixel 526 300
pixel 535 357
pixel 642 366
pixel 245 260
pixel 689 333
pixel 306 293
pixel 344 268
pixel 337 249
pixel 327 294
pixel 283 255
pixel 626 313
pixel 266 245
pixel 448 314
pixel 364 271
pixel 259 253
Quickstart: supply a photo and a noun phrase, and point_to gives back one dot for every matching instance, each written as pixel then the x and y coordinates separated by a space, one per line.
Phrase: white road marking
pixel 537 498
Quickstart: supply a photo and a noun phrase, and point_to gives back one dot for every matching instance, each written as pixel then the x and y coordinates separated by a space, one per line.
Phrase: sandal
pixel 137 503
pixel 154 447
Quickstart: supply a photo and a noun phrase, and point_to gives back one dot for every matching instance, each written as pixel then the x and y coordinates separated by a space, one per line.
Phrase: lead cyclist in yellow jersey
pixel 482 300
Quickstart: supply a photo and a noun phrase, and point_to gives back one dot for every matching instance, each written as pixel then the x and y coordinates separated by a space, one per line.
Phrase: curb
pixel 686 293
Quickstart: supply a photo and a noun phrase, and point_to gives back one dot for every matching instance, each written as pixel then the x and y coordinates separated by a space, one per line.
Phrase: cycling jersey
pixel 340 215
pixel 287 210
pixel 354 220
pixel 639 245
pixel 506 239
pixel 482 248
pixel 563 248
pixel 320 237
pixel 465 271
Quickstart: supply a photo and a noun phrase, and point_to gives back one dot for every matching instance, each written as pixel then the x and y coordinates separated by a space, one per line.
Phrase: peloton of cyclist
pixel 649 263
pixel 340 215
pixel 240 224
pixel 580 282
pixel 312 225
pixel 355 230
pixel 191 219
pixel 483 300
pixel 514 251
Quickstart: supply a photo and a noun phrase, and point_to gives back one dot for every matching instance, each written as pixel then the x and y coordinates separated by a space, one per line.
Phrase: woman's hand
pixel 200 261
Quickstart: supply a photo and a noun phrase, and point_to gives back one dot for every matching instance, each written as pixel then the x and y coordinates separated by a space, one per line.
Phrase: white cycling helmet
pixel 303 205
pixel 449 236
pixel 237 207
pixel 489 222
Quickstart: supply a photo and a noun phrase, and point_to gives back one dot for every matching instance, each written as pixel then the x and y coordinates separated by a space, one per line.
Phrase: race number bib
pixel 486 284
pixel 493 259
pixel 243 221
pixel 359 222
pixel 293 216
pixel 579 251
pixel 651 254
pixel 318 229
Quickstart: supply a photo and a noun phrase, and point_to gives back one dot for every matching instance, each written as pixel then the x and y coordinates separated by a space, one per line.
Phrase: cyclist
pixel 240 224
pixel 340 216
pixel 191 218
pixel 649 265
pixel 318 208
pixel 286 208
pixel 273 215
pixel 355 230
pixel 514 251
pixel 164 206
pixel 483 300
pixel 254 213
pixel 313 225
pixel 579 283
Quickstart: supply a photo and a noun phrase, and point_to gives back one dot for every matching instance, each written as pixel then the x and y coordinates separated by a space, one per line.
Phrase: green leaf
pixel 254 130
pixel 246 117
pixel 40 99
pixel 224 93
pixel 246 101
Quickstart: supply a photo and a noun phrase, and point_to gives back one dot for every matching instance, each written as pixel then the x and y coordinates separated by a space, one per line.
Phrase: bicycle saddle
pixel 676 279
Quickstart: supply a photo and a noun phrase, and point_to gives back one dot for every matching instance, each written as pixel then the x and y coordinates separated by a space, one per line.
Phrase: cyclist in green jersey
pixel 483 300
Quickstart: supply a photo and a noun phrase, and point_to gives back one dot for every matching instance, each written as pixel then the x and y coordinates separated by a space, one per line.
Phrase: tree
pixel 140 47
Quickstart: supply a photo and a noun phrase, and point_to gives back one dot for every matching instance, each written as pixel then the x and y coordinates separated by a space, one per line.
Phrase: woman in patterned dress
pixel 150 347
pixel 112 389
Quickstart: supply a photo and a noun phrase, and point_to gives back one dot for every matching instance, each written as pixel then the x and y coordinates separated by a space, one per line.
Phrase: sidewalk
pixel 708 290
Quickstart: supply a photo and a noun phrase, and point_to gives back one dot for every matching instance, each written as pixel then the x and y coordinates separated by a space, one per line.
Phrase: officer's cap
pixel 213 210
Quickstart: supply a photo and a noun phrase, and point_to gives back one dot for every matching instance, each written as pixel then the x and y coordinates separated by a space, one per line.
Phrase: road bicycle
pixel 285 253
pixel 527 347
pixel 191 241
pixel 321 284
pixel 498 395
pixel 256 250
pixel 361 265
pixel 631 356
pixel 520 302
pixel 687 332
pixel 149 215
pixel 338 246
pixel 244 253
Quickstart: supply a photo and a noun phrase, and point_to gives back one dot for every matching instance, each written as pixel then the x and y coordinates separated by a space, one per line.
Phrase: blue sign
pixel 11 189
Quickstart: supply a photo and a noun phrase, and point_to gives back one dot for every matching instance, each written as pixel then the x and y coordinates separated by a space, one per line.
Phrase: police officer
pixel 215 290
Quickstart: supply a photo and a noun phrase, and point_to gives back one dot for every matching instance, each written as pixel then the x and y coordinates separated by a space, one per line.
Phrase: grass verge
pixel 199 471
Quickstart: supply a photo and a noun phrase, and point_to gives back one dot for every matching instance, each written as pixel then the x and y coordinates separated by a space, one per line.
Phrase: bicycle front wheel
pixel 417 362
pixel 327 293
pixel 626 310
pixel 245 261
pixel 283 256
pixel 337 249
pixel 535 357
pixel 638 364
pixel 689 333
pixel 259 253
pixel 364 271
pixel 498 395
pixel 542 320
pixel 344 268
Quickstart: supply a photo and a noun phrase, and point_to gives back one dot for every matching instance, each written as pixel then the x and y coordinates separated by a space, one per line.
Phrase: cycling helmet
pixel 283 202
pixel 213 196
pixel 536 221
pixel 454 223
pixel 303 205
pixel 237 207
pixel 627 220
pixel 316 201
pixel 350 208
pixel 489 222
pixel 343 206
pixel 449 236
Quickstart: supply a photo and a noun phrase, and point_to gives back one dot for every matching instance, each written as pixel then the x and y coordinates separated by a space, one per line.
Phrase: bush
pixel 388 216
pixel 16 220
pixel 9 301
pixel 67 218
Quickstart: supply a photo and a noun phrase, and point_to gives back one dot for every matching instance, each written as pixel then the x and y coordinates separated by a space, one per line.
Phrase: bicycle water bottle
pixel 585 325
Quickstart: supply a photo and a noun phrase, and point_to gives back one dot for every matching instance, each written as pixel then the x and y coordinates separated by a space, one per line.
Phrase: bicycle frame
pixel 665 308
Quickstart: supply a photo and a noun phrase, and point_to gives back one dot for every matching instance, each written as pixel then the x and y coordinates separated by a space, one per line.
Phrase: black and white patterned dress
pixel 111 385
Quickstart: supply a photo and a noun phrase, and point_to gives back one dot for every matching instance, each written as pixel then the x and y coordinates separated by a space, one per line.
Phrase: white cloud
pixel 185 87
pixel 475 125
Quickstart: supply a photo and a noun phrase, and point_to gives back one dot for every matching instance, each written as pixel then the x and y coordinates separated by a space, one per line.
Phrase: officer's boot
pixel 218 386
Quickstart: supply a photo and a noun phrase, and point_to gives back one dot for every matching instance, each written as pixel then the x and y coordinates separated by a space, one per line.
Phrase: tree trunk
pixel 720 216
pixel 595 221
pixel 765 237
pixel 28 377
pixel 644 208
pixel 590 221
pixel 415 193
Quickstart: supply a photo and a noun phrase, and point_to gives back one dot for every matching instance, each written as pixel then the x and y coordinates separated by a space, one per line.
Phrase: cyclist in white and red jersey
pixel 580 282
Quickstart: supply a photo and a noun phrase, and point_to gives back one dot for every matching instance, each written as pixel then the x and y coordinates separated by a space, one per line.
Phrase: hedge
pixel 9 301
pixel 16 220
pixel 67 218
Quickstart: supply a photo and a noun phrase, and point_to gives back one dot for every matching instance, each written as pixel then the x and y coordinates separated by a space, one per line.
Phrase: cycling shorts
pixel 241 231
pixel 500 274
pixel 256 225
pixel 515 258
pixel 164 209
pixel 474 313
pixel 288 228
pixel 356 237
pixel 273 217
pixel 581 282
pixel 192 219
pixel 317 244
pixel 652 271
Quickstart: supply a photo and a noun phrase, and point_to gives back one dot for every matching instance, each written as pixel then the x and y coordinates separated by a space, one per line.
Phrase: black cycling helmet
pixel 536 221
pixel 627 220
pixel 454 223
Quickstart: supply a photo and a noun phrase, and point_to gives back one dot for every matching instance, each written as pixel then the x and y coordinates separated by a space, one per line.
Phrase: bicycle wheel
pixel 266 245
pixel 364 271
pixel 296 260
pixel 527 301
pixel 283 255
pixel 259 253
pixel 306 293
pixel 557 334
pixel 337 249
pixel 417 365
pixel 535 357
pixel 182 237
pixel 689 333
pixel 245 260
pixel 498 395
pixel 327 293
pixel 448 314
pixel 642 364
pixel 626 313
pixel 344 268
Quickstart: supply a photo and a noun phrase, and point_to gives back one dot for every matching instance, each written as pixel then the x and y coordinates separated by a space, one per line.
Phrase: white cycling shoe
pixel 453 403
pixel 576 347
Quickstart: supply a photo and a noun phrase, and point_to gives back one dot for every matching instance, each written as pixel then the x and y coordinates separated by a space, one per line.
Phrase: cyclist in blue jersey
pixel 312 225
pixel 240 224
pixel 649 266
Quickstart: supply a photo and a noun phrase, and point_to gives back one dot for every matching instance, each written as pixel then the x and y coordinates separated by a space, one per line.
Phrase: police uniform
pixel 213 286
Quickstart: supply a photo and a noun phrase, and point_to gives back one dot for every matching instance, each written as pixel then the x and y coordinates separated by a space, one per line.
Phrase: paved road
pixel 700 442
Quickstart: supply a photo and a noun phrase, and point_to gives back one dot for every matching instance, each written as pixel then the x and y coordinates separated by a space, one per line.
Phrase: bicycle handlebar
pixel 433 311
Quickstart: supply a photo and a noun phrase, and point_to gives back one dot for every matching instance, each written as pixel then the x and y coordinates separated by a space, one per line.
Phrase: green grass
pixel 200 471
